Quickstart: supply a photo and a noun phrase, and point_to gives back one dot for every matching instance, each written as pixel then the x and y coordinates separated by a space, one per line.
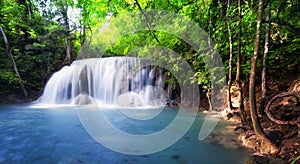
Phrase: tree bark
pixel 68 49
pixel 13 61
pixel 230 57
pixel 238 68
pixel 254 116
pixel 208 95
pixel 266 51
pixel 64 12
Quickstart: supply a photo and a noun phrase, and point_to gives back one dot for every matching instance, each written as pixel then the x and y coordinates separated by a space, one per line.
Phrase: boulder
pixel 83 99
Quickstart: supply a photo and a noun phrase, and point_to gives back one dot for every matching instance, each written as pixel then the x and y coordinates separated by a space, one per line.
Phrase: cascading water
pixel 125 81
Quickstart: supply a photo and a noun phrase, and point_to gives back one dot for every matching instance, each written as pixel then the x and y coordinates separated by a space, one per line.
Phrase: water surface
pixel 56 135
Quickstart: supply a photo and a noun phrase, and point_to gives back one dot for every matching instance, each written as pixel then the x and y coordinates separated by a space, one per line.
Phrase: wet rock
pixel 172 103
pixel 249 140
pixel 83 100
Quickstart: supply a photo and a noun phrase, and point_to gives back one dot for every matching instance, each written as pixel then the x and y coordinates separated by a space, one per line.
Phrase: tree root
pixel 272 118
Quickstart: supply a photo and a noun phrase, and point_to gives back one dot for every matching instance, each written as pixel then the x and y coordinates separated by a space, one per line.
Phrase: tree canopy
pixel 45 35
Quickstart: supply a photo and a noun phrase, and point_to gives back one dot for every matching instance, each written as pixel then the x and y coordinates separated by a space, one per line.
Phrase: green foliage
pixel 38 38
pixel 36 45
pixel 9 77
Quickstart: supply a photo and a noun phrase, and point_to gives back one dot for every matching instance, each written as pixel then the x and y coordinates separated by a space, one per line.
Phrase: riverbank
pixel 235 137
pixel 285 135
pixel 13 98
pixel 17 97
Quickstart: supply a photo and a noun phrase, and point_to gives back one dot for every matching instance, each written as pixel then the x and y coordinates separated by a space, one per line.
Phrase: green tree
pixel 254 116
pixel 13 61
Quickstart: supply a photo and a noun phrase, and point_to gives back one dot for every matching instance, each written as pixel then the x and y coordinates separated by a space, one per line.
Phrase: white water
pixel 122 81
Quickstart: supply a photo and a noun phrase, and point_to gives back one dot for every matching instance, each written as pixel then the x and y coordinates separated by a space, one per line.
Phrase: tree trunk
pixel 208 95
pixel 83 36
pixel 13 61
pixel 266 50
pixel 69 50
pixel 238 61
pixel 64 12
pixel 238 68
pixel 254 116
pixel 230 57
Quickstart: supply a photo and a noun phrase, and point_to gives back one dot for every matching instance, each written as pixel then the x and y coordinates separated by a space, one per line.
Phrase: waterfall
pixel 125 81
